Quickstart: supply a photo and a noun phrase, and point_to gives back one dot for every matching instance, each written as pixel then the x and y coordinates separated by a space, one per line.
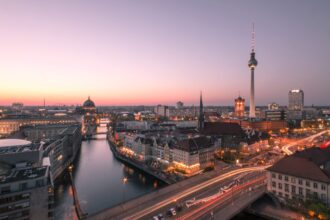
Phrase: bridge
pixel 229 203
pixel 204 185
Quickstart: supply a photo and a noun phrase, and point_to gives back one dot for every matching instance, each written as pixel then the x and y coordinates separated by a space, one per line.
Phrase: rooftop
pixel 22 174
pixel 13 142
pixel 308 164
pixel 8 146
pixel 222 128
pixel 193 144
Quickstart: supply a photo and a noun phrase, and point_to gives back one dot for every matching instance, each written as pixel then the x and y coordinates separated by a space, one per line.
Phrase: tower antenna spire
pixel 253 40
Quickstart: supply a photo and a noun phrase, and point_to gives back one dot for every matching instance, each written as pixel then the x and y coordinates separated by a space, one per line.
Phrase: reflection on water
pixel 99 181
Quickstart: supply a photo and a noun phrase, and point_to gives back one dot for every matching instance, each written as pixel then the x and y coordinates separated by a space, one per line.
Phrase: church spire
pixel 201 114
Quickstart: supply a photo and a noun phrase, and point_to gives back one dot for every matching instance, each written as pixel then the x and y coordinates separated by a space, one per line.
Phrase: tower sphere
pixel 252 62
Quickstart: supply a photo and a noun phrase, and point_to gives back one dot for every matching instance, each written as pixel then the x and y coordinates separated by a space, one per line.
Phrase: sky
pixel 159 52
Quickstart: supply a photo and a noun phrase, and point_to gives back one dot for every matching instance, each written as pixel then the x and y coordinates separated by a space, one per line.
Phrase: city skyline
pixel 148 53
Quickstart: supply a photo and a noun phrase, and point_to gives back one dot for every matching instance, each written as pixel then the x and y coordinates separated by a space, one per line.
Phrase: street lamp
pixel 70 168
pixel 125 180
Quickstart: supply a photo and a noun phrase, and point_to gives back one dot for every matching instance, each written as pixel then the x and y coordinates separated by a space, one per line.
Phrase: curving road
pixel 286 148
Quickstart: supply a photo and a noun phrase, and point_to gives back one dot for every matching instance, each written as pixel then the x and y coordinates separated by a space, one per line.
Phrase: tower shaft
pixel 252 104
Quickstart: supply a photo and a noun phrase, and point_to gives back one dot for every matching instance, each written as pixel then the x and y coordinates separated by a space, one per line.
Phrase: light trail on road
pixel 191 190
pixel 286 148
pixel 207 207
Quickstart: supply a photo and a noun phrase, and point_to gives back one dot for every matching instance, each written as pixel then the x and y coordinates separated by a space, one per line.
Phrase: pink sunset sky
pixel 160 52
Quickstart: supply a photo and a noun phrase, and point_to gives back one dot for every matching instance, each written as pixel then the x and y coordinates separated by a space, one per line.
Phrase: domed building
pixel 89 106
pixel 90 117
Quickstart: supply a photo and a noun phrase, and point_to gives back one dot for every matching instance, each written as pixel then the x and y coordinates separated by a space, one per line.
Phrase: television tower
pixel 252 65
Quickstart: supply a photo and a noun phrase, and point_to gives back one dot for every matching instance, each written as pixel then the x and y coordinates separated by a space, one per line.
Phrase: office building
pixel 296 100
pixel 162 111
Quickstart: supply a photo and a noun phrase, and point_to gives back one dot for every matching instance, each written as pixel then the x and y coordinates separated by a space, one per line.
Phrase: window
pixel 280 185
pixel 286 178
pixel 308 183
pixel 315 185
pixel 23 186
pixel 280 194
pixel 300 182
pixel 293 180
pixel 286 187
pixel 279 176
pixel 323 187
pixel 274 184
pixel 323 197
pixel 300 191
pixel 273 175
pixel 5 189
pixel 315 195
pixel 39 183
pixel 293 189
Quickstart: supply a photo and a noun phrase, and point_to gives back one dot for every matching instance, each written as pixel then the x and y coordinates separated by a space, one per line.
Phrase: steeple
pixel 201 114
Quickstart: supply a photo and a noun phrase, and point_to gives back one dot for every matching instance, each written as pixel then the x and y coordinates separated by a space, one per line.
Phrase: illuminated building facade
pixel 11 124
pixel 193 154
pixel 239 107
pixel 296 100
pixel 260 125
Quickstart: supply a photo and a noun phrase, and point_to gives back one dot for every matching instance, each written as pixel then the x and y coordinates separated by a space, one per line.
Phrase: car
pixel 173 212
pixel 179 208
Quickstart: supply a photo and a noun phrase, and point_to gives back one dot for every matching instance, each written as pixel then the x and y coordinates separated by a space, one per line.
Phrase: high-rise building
pixel 296 100
pixel 239 107
pixel 252 65
pixel 162 111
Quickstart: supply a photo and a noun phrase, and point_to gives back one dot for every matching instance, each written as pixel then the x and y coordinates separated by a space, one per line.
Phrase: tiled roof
pixel 222 128
pixel 307 164
pixel 194 144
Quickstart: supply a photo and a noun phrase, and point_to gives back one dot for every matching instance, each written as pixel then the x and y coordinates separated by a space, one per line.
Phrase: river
pixel 98 177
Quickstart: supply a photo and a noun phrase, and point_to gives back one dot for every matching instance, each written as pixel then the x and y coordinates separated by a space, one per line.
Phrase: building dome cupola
pixel 88 103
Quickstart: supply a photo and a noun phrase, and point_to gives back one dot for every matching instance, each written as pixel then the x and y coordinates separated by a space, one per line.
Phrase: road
pixel 286 148
pixel 227 199
pixel 147 211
